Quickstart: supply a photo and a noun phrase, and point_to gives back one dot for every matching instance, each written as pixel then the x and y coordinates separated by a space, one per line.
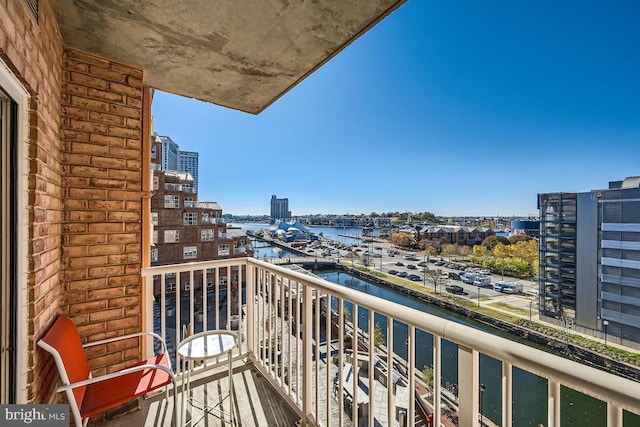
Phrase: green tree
pixel 427 376
pixel 519 238
pixel 378 336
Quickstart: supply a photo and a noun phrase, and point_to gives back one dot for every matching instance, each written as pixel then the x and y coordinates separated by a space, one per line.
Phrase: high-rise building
pixel 279 208
pixel 188 162
pixel 590 260
pixel 170 154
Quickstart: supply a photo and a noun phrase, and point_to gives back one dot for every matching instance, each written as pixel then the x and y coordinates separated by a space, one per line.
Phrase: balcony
pixel 202 205
pixel 297 330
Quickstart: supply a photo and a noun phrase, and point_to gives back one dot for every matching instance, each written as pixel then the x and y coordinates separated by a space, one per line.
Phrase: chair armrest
pixel 123 372
pixel 124 337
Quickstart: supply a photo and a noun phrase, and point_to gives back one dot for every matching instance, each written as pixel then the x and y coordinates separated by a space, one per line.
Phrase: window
pixel 154 218
pixel 190 218
pixel 205 218
pixel 171 236
pixel 190 252
pixel 154 254
pixel 223 280
pixel 209 283
pixel 171 201
pixel 187 285
pixel 156 182
pixel 223 249
pixel 171 287
pixel 206 235
pixel 154 150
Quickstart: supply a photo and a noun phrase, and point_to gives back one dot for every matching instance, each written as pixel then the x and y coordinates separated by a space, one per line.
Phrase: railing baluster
pixel 340 361
pixel 553 406
pixel 316 307
pixel 290 336
pixel 614 415
pixel 328 323
pixel 191 303
pixel 307 341
pixel 354 363
pixel 249 325
pixel 390 401
pixel 411 356
pixel 468 386
pixel 437 380
pixel 507 394
pixel 372 346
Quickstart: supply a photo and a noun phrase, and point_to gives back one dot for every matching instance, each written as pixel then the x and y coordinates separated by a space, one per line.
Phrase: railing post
pixel 437 380
pixel 307 348
pixel 468 386
pixel 251 308
pixel 147 282
pixel 614 415
pixel 507 394
pixel 553 405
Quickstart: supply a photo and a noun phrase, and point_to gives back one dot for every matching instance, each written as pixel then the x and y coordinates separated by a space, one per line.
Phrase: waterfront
pixel 529 391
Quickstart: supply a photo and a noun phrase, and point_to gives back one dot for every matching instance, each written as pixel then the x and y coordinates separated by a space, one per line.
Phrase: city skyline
pixel 456 109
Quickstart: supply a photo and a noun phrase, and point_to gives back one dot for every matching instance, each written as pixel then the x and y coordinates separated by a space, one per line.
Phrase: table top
pixel 206 345
pixel 348 378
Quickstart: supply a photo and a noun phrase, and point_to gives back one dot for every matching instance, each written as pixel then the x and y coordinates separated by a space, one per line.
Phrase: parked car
pixel 414 277
pixel 411 267
pixel 402 274
pixel 455 289
pixel 422 264
pixel 440 263
pixel 399 263
pixel 498 286
pixel 454 276
pixel 394 272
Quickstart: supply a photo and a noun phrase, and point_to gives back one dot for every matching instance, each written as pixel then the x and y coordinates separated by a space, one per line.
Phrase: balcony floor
pixel 257 402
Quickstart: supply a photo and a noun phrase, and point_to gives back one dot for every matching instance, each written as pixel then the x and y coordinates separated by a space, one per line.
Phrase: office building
pixel 590 260
pixel 188 162
pixel 279 208
pixel 170 154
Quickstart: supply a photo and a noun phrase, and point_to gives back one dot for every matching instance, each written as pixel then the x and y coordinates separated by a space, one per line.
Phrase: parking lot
pixel 413 266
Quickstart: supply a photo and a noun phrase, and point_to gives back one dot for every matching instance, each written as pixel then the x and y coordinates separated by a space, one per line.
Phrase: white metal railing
pixel 212 221
pixel 202 205
pixel 296 329
pixel 169 186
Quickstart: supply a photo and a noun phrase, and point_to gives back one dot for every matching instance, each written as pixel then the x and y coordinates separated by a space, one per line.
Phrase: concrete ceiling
pixel 241 54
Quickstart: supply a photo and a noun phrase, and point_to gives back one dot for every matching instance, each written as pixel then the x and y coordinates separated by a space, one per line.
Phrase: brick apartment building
pixel 186 229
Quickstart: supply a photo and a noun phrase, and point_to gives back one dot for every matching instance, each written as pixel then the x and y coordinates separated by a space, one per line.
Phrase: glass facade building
pixel 590 259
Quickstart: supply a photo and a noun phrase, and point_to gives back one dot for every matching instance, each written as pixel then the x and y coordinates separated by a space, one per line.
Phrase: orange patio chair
pixel 89 396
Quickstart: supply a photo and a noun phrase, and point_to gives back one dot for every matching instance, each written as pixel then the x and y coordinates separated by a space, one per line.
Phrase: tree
pixel 367 260
pixel 378 336
pixel 450 250
pixel 436 277
pixel 404 240
pixel 427 376
pixel 464 251
pixel 519 238
pixel 491 241
pixel 353 255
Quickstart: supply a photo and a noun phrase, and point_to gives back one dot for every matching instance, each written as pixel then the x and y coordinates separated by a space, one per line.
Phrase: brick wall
pixel 84 184
pixel 33 52
pixel 101 129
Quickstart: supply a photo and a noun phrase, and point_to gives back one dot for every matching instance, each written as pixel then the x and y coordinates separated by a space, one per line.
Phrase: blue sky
pixel 452 107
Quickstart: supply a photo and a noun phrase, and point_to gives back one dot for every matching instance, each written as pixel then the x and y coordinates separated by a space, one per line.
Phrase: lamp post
pixel 478 296
pixel 481 415
pixel 605 323
pixel 530 308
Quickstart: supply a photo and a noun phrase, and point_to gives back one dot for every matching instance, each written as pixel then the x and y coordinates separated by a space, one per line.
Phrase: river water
pixel 529 390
